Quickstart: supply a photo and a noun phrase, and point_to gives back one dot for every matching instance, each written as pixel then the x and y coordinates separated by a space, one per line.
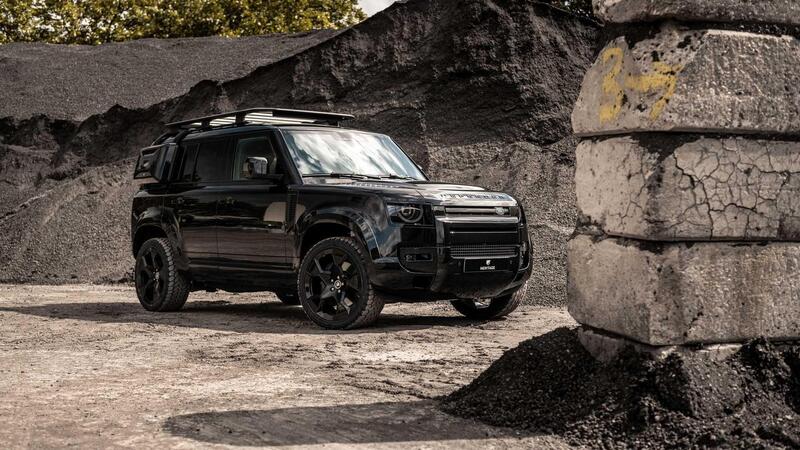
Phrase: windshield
pixel 345 152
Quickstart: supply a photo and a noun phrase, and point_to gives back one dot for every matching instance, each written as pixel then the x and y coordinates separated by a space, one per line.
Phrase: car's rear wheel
pixel 489 309
pixel 159 285
pixel 334 286
pixel 288 298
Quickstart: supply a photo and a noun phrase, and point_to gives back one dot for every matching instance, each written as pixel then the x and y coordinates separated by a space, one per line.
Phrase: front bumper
pixel 450 274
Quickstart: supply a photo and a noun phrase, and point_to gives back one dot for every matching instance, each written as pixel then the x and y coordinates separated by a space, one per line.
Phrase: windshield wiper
pixel 356 176
pixel 397 177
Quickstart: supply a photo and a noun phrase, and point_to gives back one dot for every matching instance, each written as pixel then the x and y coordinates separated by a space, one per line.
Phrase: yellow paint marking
pixel 609 111
pixel 664 77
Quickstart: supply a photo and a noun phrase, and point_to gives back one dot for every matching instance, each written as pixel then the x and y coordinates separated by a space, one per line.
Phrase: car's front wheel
pixel 334 286
pixel 159 285
pixel 489 309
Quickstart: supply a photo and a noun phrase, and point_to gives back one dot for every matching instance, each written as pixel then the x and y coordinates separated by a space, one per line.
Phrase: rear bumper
pixel 451 275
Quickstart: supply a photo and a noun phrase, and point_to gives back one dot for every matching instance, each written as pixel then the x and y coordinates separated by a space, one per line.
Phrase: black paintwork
pixel 251 235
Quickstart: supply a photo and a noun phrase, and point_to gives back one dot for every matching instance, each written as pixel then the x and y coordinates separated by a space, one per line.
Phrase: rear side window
pixel 212 162
pixel 189 159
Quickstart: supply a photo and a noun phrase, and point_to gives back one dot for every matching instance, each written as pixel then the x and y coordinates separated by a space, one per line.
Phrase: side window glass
pixel 189 159
pixel 254 147
pixel 212 162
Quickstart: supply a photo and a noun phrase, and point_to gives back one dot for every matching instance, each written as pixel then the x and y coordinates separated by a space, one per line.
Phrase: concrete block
pixel 607 348
pixel 785 12
pixel 678 294
pixel 681 187
pixel 693 81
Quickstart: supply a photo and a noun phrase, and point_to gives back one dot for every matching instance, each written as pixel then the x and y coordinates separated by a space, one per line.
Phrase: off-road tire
pixel 371 303
pixel 497 307
pixel 175 290
pixel 288 298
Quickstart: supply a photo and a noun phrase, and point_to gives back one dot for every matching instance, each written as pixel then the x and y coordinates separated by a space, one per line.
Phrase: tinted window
pixel 190 156
pixel 212 162
pixel 258 147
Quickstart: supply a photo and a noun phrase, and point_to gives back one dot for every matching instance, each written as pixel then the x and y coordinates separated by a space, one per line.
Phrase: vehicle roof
pixel 243 129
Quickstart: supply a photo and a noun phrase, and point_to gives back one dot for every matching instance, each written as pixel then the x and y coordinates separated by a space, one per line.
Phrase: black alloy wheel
pixel 334 285
pixel 150 275
pixel 159 285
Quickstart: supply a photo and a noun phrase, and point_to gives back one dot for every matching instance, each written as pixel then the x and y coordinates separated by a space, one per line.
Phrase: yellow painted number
pixel 663 78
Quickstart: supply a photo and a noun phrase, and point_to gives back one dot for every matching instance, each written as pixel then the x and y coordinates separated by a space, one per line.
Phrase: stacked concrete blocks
pixel 688 176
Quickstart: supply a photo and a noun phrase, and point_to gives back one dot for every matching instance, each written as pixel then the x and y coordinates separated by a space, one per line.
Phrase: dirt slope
pixel 478 91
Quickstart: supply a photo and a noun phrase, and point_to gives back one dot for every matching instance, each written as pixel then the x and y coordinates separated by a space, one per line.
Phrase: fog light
pixel 419 257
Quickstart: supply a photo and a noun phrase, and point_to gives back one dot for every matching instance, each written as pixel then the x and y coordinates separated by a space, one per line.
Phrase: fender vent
pixel 291 210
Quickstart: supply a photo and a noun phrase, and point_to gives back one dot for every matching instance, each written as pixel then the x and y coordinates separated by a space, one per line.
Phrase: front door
pixel 252 213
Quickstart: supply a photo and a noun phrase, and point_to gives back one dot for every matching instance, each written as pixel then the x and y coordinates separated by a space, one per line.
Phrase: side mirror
pixel 256 168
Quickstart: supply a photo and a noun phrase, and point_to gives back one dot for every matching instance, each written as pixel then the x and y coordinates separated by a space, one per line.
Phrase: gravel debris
pixel 551 385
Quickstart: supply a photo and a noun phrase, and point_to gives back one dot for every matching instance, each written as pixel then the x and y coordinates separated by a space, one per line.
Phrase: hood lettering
pixel 471 196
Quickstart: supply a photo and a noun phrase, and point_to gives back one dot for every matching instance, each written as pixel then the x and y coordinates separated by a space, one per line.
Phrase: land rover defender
pixel 337 220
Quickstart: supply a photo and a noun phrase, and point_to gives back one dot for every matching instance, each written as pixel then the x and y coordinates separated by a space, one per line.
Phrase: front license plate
pixel 488 265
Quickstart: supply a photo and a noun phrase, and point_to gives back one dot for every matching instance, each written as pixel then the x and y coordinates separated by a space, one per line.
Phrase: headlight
pixel 406 213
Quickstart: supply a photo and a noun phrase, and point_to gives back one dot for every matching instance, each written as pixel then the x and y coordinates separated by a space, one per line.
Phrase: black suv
pixel 334 219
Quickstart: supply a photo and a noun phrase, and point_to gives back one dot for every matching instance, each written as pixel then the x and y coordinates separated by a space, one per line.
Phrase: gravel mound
pixel 478 91
pixel 551 385
pixel 73 82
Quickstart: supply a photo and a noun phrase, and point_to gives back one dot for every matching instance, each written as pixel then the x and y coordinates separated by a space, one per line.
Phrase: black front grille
pixel 469 237
pixel 483 251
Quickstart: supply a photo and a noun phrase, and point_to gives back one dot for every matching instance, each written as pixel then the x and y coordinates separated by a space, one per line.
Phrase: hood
pixel 457 194
pixel 424 191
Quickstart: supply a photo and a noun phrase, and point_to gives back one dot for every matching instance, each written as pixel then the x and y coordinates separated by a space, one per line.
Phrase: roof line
pixel 263 116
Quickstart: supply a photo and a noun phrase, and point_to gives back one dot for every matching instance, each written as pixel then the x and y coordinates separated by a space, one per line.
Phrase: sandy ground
pixel 85 366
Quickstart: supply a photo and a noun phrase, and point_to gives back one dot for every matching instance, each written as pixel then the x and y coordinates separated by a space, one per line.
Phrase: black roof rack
pixel 263 116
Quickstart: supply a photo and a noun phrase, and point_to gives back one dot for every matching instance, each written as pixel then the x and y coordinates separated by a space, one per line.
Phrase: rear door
pixel 194 198
pixel 252 213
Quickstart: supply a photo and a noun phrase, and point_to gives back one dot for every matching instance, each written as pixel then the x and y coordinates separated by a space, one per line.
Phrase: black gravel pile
pixel 551 385
pixel 73 82
pixel 478 91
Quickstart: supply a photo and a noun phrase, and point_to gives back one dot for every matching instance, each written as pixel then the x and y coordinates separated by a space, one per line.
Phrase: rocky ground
pixel 478 91
pixel 86 366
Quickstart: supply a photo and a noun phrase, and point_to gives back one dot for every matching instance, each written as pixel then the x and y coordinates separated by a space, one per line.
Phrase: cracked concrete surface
pixel 672 188
pixel 763 11
pixel 692 81
pixel 694 144
pixel 678 294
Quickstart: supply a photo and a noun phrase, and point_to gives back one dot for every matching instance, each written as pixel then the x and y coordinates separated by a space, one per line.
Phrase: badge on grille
pixel 501 211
